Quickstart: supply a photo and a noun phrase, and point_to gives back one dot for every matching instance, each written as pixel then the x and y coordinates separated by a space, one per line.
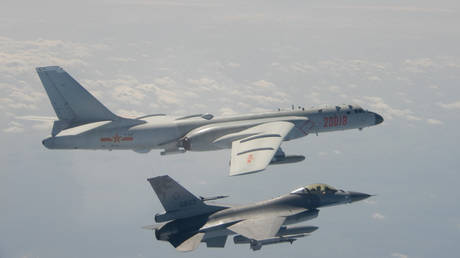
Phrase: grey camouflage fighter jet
pixel 190 220
pixel 255 139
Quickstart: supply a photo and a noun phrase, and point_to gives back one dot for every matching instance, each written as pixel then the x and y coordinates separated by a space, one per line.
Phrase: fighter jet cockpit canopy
pixel 315 188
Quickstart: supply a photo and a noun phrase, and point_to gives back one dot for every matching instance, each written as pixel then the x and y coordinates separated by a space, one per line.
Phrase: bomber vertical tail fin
pixel 73 104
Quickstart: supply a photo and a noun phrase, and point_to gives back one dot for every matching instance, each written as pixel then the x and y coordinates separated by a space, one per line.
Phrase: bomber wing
pixel 254 153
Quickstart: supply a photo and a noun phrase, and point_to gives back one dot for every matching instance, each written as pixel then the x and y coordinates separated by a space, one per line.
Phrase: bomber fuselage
pixel 196 133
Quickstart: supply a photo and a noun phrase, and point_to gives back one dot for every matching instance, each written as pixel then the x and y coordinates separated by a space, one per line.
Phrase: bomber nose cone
pixel 378 119
pixel 357 196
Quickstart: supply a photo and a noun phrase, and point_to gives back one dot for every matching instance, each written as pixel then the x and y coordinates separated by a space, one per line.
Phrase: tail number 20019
pixel 334 121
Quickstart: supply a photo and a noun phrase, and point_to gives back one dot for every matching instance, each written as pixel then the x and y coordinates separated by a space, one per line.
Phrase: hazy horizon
pixel 398 58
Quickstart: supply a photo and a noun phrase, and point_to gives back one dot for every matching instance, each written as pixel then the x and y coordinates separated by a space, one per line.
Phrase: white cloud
pixel 423 62
pixel 378 216
pixel 148 87
pixel 204 84
pixel 413 118
pixel 418 65
pixel 42 122
pixel 453 105
pixel 202 81
pixel 432 121
pixel 263 100
pixel 14 127
pixel 334 89
pixel 21 56
pixel 129 113
pixel 128 94
pixel 10 103
pixel 399 255
pixel 122 59
pixel 167 96
pixel 27 96
pixel 37 118
pixel 259 110
pixel 165 81
pixel 374 78
pixel 233 65
pixel 369 201
pixel 377 104
pixel 43 125
pixel 263 84
pixel 227 111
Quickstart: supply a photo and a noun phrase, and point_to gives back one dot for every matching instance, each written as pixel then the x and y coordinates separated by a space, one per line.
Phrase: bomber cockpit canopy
pixel 356 108
pixel 315 188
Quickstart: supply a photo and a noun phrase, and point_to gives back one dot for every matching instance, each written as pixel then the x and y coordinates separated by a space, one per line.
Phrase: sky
pixel 398 58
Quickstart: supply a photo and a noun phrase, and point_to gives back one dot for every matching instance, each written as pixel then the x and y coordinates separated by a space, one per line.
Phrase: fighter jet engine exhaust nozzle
pixel 47 143
pixel 157 234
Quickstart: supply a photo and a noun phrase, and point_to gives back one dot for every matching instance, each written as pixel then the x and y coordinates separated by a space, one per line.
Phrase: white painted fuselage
pixel 173 134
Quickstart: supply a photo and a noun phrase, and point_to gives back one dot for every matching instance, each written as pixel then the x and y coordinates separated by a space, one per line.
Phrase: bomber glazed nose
pixel 378 119
pixel 357 196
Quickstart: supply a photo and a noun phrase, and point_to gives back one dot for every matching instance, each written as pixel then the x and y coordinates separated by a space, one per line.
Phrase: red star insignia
pixel 250 158
pixel 116 138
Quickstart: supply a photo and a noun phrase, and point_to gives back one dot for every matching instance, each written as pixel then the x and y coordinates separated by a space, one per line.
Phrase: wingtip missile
pixel 204 199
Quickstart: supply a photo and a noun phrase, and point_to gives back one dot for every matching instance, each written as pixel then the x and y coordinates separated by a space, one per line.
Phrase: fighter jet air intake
pixel 254 139
pixel 188 220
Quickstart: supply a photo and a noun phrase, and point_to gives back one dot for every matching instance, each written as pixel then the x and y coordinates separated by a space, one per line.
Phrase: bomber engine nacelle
pixel 286 159
pixel 214 136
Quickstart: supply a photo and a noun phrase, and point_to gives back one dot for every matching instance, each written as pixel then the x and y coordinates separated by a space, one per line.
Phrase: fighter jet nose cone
pixel 357 196
pixel 378 119
pixel 313 228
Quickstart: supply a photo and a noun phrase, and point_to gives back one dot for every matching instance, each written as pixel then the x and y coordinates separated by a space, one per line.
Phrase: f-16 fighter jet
pixel 189 220
pixel 255 139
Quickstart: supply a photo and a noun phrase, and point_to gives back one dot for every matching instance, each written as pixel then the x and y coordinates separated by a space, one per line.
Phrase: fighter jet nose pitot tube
pixel 378 119
pixel 357 196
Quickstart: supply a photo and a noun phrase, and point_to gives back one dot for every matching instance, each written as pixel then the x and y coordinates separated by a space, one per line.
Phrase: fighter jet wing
pixel 258 228
pixel 254 153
